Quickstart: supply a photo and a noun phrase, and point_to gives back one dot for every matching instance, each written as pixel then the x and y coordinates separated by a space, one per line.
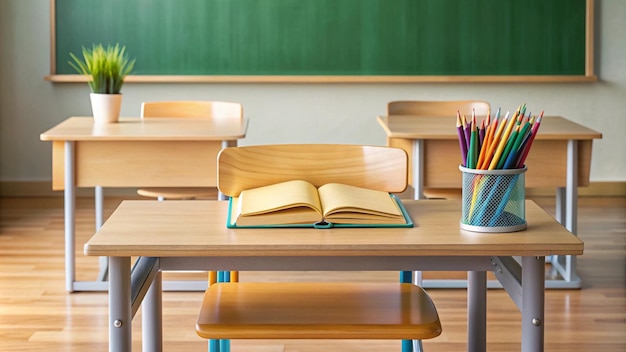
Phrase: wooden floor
pixel 37 314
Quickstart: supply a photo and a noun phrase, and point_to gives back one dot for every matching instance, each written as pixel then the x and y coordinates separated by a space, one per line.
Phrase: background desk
pixel 560 157
pixel 164 152
pixel 193 236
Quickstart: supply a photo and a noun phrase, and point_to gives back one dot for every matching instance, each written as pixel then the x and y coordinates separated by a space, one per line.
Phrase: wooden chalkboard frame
pixel 589 75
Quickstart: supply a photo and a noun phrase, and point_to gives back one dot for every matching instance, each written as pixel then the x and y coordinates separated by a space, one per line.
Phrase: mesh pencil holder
pixel 493 200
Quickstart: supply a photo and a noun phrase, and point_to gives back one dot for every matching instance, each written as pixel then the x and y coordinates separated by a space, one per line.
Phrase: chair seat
pixel 317 311
pixel 179 192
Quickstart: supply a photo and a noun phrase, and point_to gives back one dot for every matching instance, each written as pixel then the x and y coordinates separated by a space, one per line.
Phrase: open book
pixel 299 202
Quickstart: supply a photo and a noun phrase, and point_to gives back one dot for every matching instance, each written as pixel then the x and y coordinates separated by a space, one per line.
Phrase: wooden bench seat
pixel 317 311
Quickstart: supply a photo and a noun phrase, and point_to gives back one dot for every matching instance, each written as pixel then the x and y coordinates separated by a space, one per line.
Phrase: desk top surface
pixel 437 127
pixel 198 228
pixel 133 129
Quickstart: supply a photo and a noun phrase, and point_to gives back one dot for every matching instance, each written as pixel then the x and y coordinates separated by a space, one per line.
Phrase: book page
pixel 282 203
pixel 350 204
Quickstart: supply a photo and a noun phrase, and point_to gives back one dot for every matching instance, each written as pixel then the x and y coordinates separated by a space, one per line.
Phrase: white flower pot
pixel 105 107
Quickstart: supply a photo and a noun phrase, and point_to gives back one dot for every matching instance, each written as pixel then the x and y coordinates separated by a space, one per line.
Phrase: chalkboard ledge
pixel 333 79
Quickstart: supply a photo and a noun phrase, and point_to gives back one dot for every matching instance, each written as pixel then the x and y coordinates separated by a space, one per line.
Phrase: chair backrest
pixel 191 108
pixel 438 108
pixel 374 167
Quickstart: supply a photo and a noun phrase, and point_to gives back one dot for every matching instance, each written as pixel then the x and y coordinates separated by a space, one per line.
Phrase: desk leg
pixel 99 205
pixel 572 187
pixel 69 209
pixel 559 209
pixel 567 215
pixel 533 300
pixel 476 311
pixel 120 312
pixel 418 168
pixel 151 317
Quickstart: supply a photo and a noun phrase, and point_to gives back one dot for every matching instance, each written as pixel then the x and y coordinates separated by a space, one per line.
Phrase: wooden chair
pixel 444 108
pixel 247 310
pixel 201 109
pixel 438 108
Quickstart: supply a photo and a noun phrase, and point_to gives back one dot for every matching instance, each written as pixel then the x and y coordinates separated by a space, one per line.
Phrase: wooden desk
pixel 560 157
pixel 162 152
pixel 193 236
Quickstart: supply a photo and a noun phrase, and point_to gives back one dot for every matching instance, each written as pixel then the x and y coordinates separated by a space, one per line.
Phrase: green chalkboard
pixel 329 38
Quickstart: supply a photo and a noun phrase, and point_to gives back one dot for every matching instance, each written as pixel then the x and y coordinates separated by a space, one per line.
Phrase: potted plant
pixel 106 68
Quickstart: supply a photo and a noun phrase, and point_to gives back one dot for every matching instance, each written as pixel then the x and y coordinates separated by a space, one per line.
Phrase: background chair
pixel 444 108
pixel 301 310
pixel 437 108
pixel 216 110
pixel 202 109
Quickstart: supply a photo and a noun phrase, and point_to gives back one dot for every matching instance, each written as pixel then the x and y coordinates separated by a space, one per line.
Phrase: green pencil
pixel 518 142
pixel 509 144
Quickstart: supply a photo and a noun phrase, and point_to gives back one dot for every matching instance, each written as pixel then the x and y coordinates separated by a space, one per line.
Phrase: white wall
pixel 282 113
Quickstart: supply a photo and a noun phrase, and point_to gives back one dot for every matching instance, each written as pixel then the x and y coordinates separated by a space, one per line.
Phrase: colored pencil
pixel 488 137
pixel 481 134
pixel 485 145
pixel 502 143
pixel 460 131
pixel 515 152
pixel 530 141
pixel 473 152
pixel 466 129
pixel 510 143
pixel 494 142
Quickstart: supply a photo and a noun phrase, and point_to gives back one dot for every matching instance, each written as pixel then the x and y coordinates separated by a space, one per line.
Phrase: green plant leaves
pixel 105 66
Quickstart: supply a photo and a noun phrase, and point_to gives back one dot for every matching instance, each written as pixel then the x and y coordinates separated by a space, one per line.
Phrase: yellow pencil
pixel 494 142
pixel 503 141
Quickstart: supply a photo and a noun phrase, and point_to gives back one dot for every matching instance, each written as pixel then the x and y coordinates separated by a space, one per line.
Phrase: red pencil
pixel 533 133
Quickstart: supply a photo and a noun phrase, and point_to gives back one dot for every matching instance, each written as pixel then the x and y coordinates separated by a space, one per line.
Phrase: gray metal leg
pixel 533 300
pixel 120 312
pixel 69 209
pixel 99 206
pixel 151 317
pixel 418 346
pixel 418 168
pixel 476 311
pixel 567 215
pixel 572 187
pixel 418 189
pixel 560 205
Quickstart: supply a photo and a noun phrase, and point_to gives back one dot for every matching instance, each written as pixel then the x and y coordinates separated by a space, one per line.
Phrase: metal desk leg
pixel 120 312
pixel 69 209
pixel 533 300
pixel 559 209
pixel 567 215
pixel 99 205
pixel 151 317
pixel 572 187
pixel 418 168
pixel 476 311
pixel 572 204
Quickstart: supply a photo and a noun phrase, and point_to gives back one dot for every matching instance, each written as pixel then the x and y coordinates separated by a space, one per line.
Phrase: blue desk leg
pixel 405 278
pixel 220 345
